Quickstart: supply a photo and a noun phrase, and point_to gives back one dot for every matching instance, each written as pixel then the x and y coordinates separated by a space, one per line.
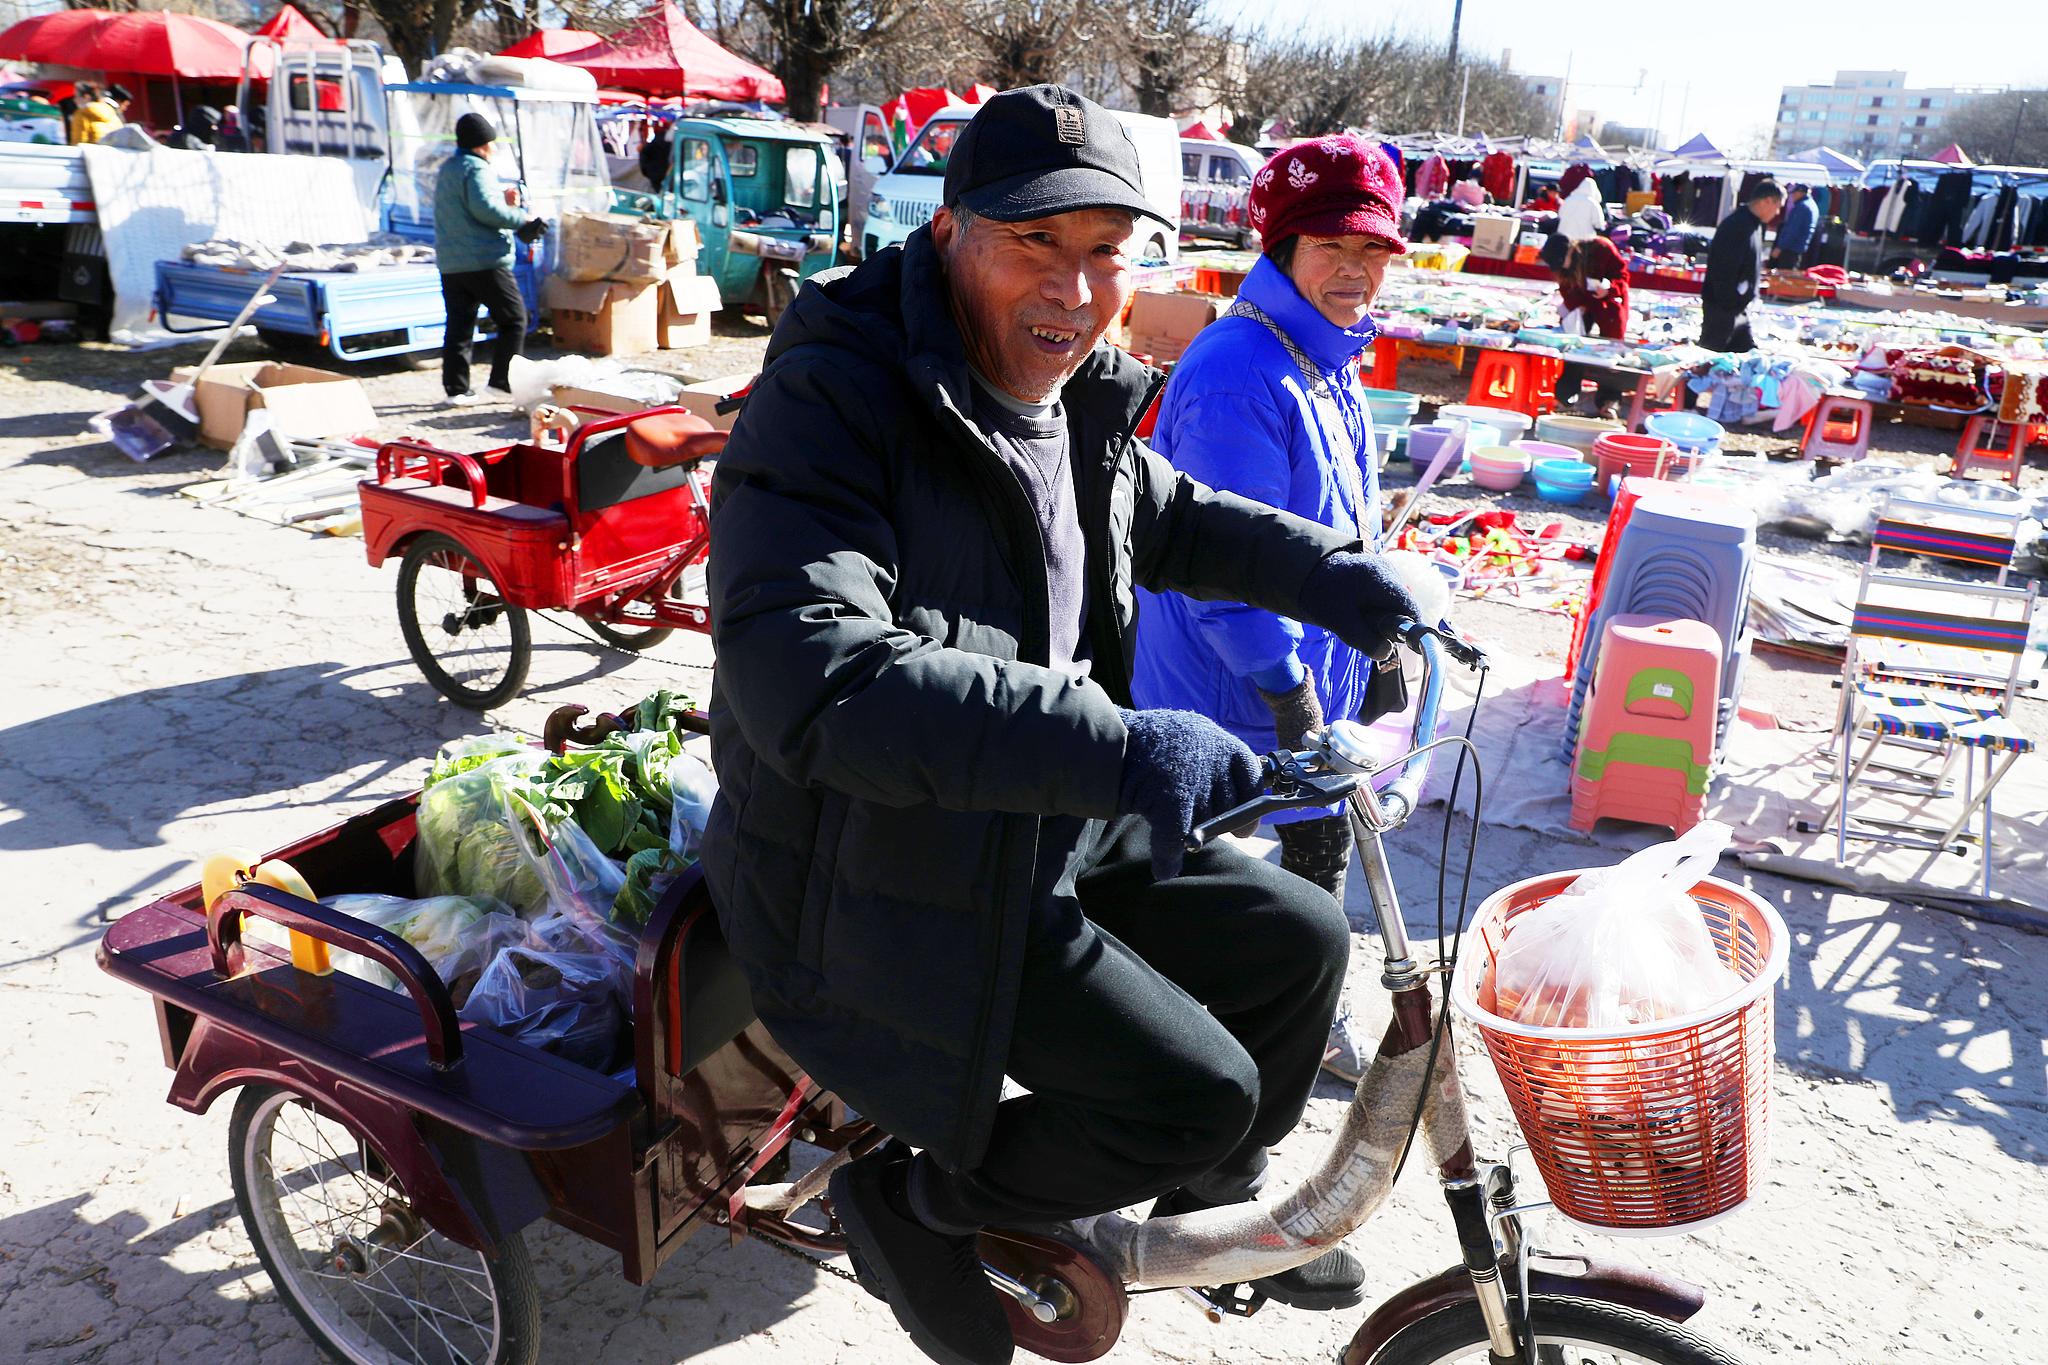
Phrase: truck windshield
pixel 927 155
pixel 800 176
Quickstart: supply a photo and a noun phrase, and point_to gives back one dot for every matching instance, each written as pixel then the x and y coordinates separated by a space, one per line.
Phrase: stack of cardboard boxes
pixel 624 285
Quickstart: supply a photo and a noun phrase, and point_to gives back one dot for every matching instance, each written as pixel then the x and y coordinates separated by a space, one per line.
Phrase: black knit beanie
pixel 473 131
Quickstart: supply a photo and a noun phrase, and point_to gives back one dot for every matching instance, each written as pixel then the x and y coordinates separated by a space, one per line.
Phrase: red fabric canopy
pixel 289 24
pixel 1952 154
pixel 1199 129
pixel 978 93
pixel 666 54
pixel 42 38
pixel 156 43
pixel 552 43
pixel 917 106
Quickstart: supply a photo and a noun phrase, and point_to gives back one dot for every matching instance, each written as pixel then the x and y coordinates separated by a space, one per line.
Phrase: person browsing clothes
pixel 948 843
pixel 1267 403
pixel 1592 281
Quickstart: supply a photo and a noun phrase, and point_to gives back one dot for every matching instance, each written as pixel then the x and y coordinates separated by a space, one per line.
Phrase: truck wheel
pixel 291 346
pixel 473 645
pixel 359 1269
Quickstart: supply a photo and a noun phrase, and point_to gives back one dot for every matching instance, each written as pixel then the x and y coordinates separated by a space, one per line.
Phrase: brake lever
pixel 1411 633
pixel 1296 784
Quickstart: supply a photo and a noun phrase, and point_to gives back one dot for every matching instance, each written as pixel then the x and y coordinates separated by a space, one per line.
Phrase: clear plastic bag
pixel 435 925
pixel 1621 946
pixel 566 1003
pixel 466 846
pixel 692 789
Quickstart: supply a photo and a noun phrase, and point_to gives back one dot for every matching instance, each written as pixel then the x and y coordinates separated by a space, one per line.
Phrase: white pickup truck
pixel 906 198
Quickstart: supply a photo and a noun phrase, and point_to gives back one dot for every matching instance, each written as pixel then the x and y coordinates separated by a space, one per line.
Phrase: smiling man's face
pixel 1031 299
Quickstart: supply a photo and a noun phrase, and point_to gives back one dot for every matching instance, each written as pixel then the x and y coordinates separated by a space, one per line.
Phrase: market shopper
pixel 1469 193
pixel 1267 403
pixel 946 847
pixel 1795 232
pixel 99 115
pixel 1582 215
pixel 198 131
pixel 1735 270
pixel 1592 281
pixel 474 222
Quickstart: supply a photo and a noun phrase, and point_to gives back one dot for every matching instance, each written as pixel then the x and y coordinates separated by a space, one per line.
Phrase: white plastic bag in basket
pixel 1622 945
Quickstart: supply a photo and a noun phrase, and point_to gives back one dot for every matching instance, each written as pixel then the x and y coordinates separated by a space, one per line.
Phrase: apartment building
pixel 1867 114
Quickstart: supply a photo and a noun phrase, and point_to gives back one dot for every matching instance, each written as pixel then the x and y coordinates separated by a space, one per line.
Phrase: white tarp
pixel 153 204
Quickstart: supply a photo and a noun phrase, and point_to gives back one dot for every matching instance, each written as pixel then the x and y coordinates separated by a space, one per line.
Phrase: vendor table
pixel 1637 279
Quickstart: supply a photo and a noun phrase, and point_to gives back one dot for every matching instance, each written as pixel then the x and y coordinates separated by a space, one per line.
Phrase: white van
pixel 1215 187
pixel 906 198
pixel 867 157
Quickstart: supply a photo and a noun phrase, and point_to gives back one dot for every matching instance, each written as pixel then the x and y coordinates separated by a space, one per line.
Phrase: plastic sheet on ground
pixel 1801 606
pixel 533 381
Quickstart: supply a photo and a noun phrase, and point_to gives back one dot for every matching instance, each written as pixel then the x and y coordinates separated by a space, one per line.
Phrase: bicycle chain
pixel 601 643
pixel 798 1253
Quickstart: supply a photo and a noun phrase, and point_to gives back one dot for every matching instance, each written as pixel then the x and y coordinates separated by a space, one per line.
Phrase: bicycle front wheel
pixel 1568 1332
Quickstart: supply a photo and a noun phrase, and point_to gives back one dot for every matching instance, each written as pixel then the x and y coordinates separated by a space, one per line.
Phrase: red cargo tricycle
pixel 606 528
pixel 386 1157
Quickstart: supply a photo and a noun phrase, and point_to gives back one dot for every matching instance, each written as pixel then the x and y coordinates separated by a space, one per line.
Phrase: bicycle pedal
pixel 1225 1298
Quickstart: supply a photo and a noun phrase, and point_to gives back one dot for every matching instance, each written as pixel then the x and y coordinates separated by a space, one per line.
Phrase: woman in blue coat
pixel 1267 404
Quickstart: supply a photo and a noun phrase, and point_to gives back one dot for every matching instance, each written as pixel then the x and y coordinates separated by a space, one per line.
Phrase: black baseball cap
pixel 1042 150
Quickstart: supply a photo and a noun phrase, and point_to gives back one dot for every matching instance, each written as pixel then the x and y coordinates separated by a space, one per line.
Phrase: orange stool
pixel 1510 379
pixel 1980 447
pixel 1646 744
pixel 1838 428
pixel 1389 352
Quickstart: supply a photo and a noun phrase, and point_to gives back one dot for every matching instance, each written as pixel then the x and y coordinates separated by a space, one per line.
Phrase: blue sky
pixel 1734 57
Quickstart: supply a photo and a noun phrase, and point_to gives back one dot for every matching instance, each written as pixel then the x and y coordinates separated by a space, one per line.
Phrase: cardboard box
pixel 1494 239
pixel 302 401
pixel 603 317
pixel 683 243
pixel 1162 324
pixel 569 396
pixel 703 398
pixel 687 302
pixel 613 246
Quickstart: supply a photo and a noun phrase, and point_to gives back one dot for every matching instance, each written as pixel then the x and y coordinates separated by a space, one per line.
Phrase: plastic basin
pixel 1562 481
pixel 1547 450
pixel 1506 421
pixel 1568 429
pixel 1690 432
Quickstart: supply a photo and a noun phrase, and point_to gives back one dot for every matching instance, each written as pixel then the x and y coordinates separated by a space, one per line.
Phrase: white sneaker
pixel 1344 1055
pixel 463 400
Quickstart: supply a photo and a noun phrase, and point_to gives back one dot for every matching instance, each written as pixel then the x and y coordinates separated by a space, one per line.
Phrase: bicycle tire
pixel 500 662
pixel 362 1301
pixel 1457 1335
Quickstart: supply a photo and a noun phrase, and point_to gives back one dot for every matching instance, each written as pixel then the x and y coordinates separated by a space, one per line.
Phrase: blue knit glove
pixel 1180 768
pixel 1350 595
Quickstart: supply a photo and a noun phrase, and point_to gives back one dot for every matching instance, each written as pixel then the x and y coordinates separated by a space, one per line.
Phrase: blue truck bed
pixel 356 315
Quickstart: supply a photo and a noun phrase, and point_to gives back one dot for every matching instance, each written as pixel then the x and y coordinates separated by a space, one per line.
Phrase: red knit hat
pixel 1331 187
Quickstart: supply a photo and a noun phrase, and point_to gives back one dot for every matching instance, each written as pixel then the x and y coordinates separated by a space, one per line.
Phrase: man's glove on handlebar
pixel 1180 768
pixel 1352 596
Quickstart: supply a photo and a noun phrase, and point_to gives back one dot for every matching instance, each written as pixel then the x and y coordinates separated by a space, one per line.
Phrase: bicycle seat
pixel 665 440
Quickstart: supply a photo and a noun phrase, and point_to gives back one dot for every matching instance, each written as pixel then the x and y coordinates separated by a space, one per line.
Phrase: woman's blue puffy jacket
pixel 1238 416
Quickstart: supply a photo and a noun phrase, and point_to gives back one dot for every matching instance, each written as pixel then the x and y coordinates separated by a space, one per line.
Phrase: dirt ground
pixel 178 679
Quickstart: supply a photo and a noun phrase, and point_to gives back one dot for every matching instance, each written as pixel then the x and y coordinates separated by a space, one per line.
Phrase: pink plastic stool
pixel 1646 742
pixel 1981 448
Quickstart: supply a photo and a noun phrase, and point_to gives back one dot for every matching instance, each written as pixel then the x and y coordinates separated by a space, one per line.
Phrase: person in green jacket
pixel 474 223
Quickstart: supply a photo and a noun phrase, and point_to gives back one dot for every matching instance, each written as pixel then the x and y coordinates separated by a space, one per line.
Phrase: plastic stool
pixel 1641 407
pixel 1634 488
pixel 1820 443
pixel 1646 749
pixel 1980 448
pixel 1679 556
pixel 1511 380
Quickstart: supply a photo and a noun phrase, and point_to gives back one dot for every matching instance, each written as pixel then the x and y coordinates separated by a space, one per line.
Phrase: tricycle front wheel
pixel 473 645
pixel 371 1283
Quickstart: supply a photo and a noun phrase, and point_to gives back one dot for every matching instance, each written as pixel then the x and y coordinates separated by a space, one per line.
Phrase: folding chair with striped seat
pixel 1981 536
pixel 1931 686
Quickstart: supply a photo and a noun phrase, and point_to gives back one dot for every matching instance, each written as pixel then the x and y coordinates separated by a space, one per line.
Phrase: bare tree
pixel 1172 53
pixel 806 41
pixel 1031 42
pixel 2008 129
pixel 1322 84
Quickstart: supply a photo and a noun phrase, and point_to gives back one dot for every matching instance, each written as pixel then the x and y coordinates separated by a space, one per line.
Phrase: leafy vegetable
pixel 461 755
pixel 465 847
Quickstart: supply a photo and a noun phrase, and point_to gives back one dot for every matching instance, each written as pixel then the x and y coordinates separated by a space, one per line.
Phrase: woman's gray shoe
pixel 933 1282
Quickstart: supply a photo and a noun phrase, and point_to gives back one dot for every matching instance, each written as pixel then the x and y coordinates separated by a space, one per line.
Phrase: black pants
pixel 1721 331
pixel 1169 1032
pixel 496 292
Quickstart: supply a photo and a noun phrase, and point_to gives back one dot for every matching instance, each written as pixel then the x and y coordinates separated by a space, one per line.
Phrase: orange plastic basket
pixel 1654 1129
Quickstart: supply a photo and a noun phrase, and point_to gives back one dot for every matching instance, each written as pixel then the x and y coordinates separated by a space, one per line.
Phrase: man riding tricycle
pixel 945 850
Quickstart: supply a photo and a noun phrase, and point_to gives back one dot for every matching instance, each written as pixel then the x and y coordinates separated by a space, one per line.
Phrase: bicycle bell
pixel 1350 747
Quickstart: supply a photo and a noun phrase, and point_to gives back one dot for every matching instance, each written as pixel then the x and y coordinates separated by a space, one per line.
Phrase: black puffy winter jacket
pixel 888 738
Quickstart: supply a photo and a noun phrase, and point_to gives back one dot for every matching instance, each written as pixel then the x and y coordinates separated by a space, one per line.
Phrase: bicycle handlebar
pixel 1339 766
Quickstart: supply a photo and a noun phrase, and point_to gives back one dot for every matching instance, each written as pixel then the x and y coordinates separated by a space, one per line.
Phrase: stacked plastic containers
pixel 1676 551
pixel 1392 411
pixel 1696 437
pixel 1646 747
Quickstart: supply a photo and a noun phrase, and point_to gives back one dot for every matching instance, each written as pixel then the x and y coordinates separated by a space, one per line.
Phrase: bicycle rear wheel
pixel 473 645
pixel 1568 1332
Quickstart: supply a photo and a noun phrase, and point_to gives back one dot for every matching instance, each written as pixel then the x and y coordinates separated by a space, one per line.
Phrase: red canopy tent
pixel 553 43
pixel 1201 130
pixel 665 54
pixel 289 25
pixel 43 37
pixel 158 43
pixel 1952 154
pixel 978 93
